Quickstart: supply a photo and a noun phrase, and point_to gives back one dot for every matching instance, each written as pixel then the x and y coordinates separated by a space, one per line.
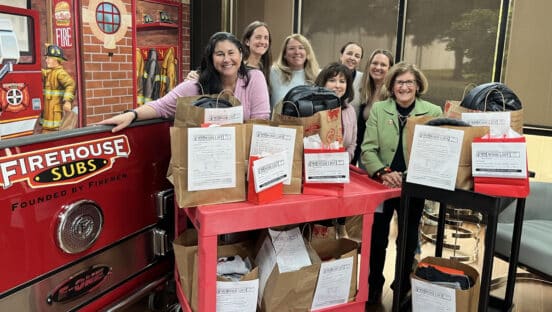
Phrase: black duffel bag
pixel 305 101
pixel 210 102
pixel 492 96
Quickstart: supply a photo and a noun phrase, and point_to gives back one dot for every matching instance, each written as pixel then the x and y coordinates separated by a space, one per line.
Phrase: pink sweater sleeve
pixel 166 106
pixel 349 121
pixel 254 98
pixel 256 101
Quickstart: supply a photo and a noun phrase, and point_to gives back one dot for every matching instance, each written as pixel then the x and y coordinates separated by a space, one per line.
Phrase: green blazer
pixel 382 132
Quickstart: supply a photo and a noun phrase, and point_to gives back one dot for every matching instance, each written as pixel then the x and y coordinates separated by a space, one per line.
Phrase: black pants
pixel 380 239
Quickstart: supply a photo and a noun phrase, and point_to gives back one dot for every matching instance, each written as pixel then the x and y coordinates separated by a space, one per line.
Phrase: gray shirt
pixel 279 88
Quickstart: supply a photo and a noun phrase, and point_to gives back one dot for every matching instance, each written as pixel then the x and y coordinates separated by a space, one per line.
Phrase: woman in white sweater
pixel 296 65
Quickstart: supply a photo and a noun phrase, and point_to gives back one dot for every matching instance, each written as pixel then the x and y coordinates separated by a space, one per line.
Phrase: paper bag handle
pixel 226 91
pixel 294 106
pixel 220 93
pixel 501 95
pixel 472 85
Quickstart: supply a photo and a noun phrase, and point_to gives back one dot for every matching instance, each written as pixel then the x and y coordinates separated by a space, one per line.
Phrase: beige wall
pixel 539 149
pixel 278 14
pixel 528 68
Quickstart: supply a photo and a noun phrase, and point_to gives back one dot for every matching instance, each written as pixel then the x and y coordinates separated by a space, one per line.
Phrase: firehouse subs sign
pixel 62 165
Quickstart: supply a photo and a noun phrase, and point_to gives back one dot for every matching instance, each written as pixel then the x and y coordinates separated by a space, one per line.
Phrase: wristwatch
pixel 132 111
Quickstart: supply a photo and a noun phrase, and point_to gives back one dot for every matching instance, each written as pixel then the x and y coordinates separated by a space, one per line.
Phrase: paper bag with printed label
pixel 499 166
pixel 326 123
pixel 294 187
pixel 330 250
pixel 464 179
pixel 190 115
pixel 281 289
pixel 427 296
pixel 211 171
pixel 326 171
pixel 454 110
pixel 186 250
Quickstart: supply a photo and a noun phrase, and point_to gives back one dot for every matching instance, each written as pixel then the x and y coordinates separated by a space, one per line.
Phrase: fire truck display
pixel 86 216
pixel 20 76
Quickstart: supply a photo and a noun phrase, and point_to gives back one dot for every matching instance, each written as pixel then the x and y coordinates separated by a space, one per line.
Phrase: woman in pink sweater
pixel 222 68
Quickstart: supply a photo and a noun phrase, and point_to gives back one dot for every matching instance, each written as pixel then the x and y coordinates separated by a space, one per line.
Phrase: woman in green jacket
pixel 383 155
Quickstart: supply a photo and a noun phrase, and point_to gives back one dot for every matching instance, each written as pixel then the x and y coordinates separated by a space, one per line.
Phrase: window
pixel 329 24
pixel 108 17
pixel 453 42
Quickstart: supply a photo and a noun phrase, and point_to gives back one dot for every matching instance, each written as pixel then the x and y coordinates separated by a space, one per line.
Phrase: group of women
pixel 375 105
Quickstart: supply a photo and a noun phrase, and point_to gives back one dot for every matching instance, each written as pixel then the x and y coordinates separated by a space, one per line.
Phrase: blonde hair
pixel 311 64
pixel 368 85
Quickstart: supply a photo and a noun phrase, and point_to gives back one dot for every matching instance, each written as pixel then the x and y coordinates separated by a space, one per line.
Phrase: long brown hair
pixel 368 85
pixel 266 59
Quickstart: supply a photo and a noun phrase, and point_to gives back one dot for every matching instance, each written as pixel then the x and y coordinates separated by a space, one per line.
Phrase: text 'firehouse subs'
pixel 66 164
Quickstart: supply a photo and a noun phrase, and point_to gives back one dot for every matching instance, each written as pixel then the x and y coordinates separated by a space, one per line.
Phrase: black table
pixel 490 206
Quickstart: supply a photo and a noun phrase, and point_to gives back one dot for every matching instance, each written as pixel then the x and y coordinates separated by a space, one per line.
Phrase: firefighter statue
pixel 59 90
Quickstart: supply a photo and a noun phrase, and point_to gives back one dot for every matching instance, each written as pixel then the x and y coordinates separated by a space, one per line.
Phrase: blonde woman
pixel 296 65
pixel 371 91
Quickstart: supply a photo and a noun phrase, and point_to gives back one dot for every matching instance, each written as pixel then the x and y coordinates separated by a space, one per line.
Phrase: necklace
pixel 402 119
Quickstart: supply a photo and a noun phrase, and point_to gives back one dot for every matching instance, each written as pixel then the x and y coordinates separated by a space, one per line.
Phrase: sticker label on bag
pixel 499 159
pixel 224 116
pixel 328 167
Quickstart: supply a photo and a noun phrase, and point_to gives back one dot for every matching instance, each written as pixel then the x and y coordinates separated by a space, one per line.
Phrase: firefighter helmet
pixel 55 51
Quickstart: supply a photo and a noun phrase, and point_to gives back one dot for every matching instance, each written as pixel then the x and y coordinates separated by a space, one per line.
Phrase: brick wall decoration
pixel 108 66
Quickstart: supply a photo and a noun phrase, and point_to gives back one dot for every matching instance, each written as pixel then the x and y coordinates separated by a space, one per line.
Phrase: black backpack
pixel 210 102
pixel 305 101
pixel 498 97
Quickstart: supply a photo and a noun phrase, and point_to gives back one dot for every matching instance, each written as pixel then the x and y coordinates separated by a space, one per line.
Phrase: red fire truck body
pixel 21 83
pixel 85 217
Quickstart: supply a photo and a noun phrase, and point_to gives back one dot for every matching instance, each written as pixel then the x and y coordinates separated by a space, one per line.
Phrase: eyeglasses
pixel 407 83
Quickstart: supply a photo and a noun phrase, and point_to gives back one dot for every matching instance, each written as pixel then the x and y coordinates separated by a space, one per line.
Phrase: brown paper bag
pixel 454 110
pixel 178 172
pixel 466 300
pixel 326 123
pixel 297 166
pixel 289 291
pixel 464 179
pixel 332 249
pixel 185 251
pixel 188 115
pixel 69 121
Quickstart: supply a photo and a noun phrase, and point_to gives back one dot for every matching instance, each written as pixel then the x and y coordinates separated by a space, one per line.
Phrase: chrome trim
pixel 124 258
pixel 160 242
pixel 164 199
pixel 136 296
pixel 79 226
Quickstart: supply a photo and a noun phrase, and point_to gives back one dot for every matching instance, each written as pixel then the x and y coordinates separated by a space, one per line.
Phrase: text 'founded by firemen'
pixel 90 185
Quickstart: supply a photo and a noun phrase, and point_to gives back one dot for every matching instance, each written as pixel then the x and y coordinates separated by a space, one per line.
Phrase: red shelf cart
pixel 360 197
